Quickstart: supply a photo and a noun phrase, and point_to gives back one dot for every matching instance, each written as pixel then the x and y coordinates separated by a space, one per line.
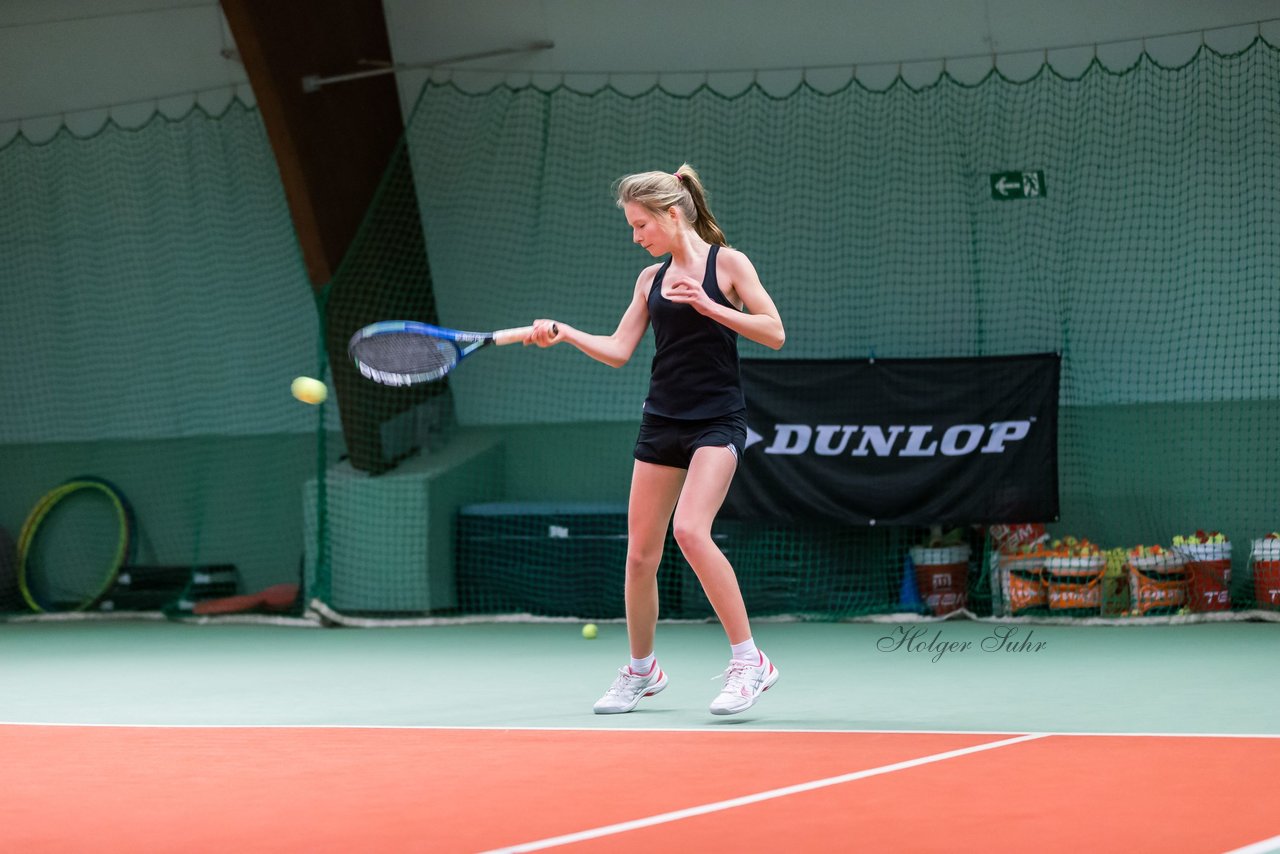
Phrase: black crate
pixel 566 560
pixel 152 588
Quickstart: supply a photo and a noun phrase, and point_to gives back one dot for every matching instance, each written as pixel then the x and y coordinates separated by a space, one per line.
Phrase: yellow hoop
pixel 42 510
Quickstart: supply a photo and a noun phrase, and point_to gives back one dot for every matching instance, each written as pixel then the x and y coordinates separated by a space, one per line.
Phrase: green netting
pixel 155 309
pixel 1149 262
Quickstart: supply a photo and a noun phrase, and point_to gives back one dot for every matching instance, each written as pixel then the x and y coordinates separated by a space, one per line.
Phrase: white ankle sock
pixel 745 651
pixel 642 666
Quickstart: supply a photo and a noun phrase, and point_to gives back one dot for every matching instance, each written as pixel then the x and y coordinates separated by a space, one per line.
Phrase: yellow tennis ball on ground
pixel 589 631
pixel 309 390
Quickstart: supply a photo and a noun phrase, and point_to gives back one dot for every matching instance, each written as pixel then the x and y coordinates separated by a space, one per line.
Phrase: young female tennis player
pixel 694 426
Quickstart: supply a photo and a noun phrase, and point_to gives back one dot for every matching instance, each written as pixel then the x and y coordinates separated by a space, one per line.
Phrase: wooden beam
pixel 331 145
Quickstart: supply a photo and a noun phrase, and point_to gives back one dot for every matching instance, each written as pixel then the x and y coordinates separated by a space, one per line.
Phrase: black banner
pixel 900 441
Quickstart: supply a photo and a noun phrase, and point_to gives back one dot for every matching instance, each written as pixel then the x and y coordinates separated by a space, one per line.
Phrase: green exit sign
pixel 1006 186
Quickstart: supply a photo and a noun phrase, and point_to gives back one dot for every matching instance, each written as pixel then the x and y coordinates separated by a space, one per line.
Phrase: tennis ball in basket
pixel 309 391
pixel 589 631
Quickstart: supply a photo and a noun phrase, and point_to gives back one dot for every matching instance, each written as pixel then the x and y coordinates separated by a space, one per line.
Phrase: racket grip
pixel 516 334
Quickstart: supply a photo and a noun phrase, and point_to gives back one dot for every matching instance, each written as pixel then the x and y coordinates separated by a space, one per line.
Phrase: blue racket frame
pixel 452 345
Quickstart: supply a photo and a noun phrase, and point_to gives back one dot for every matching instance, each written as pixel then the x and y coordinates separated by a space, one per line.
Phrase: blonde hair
pixel 657 192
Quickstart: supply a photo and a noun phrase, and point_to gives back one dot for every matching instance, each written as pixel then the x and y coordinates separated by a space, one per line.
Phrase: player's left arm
pixel 759 318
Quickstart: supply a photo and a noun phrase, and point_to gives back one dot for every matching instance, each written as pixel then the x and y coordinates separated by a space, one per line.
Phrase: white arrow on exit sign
pixel 1006 186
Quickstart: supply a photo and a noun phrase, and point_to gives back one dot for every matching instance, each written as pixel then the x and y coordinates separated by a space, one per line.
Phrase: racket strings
pixel 407 355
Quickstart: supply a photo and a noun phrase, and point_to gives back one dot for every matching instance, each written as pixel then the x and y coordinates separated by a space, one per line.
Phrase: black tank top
pixel 695 367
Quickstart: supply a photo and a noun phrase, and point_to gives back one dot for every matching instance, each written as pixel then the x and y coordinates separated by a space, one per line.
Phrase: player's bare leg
pixel 749 674
pixel 710 474
pixel 654 490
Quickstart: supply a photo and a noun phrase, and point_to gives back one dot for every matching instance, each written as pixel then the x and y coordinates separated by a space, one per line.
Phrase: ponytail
pixel 704 222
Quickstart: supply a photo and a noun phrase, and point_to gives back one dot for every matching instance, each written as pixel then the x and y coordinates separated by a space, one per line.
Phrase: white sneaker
pixel 627 690
pixel 744 682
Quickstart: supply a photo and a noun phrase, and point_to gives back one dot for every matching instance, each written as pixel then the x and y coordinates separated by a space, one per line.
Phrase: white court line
pixel 1266 846
pixel 710 728
pixel 704 809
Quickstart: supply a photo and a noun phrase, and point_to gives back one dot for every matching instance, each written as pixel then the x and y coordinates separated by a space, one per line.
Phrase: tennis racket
pixel 405 352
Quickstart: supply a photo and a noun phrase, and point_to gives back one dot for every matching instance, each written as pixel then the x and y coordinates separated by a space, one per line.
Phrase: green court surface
pixel 941 676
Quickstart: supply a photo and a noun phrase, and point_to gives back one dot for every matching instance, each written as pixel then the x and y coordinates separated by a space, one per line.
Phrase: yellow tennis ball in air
pixel 309 391
pixel 589 631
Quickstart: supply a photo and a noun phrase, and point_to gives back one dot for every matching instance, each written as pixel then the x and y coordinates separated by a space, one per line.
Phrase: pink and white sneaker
pixel 629 689
pixel 744 682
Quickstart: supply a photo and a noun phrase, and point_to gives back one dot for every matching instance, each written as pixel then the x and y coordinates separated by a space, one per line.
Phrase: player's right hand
pixel 545 333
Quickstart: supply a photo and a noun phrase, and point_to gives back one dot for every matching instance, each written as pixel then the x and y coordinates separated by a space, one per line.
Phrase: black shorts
pixel 672 441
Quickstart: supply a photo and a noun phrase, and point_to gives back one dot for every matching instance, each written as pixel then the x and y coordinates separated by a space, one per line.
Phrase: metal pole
pixel 314 82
